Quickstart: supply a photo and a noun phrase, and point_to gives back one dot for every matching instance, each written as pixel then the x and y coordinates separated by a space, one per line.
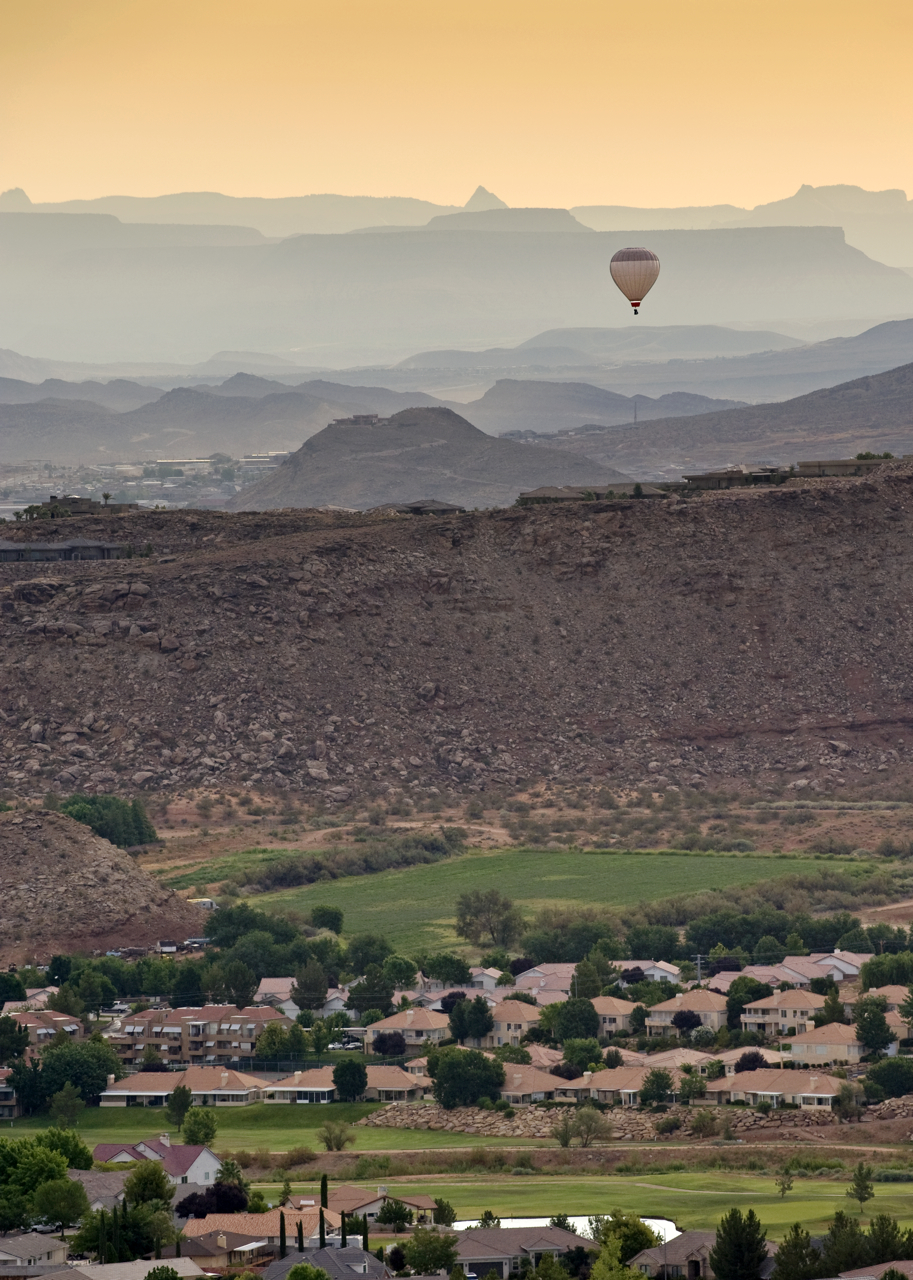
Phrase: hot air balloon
pixel 635 271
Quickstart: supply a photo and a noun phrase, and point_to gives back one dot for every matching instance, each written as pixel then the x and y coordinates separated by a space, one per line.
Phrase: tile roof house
pixel 505 1249
pixel 614 1014
pixel 523 1084
pixel 129 1270
pixel 339 1264
pixel 103 1189
pixel 418 1026
pixel 876 1270
pixel 805 1089
pixel 832 1043
pixel 655 970
pixel 623 1084
pixel 182 1163
pixel 844 964
pixel 210 1086
pixel 35 998
pixel 710 1007
pixel 359 1200
pixel 31 1249
pixel 681 1057
pixel 781 1012
pixel 513 1018
pixel 685 1255
pixel 218 1250
pixel 278 993
pixel 385 1084
pixel 266 1226
pixel 731 1056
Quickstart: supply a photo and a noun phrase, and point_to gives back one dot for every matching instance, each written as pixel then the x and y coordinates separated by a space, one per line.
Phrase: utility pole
pixel 698 960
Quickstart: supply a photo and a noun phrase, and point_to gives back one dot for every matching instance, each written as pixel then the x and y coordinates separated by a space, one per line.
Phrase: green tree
pixel 14 1040
pixel 66 1106
pixel 740 1249
pixel 60 1203
pixel 744 991
pixel 656 1087
pixel 488 1219
pixel 609 1266
pixel 564 1130
pixel 11 988
pixel 691 1088
pixel 893 1075
pixel 583 1054
pixel 304 1271
pixel 444 1213
pixel 393 1213
pixel 311 986
pixel 324 917
pixel 239 983
pixel 462 1077
pixel 67 1144
pixel 15 1210
pixel 373 992
pixel 445 967
pixel 591 1126
pixel 178 1104
pixel 513 1053
pixel 400 971
pixel 428 1252
pixel 479 1020
pixel 572 1020
pixel 861 1188
pixel 147 1182
pixel 123 822
pixel 162 1273
pixel 272 1043
pixel 905 1010
pixel 768 950
pixel 85 1064
pixel 335 1135
pixel 350 1080
pixel 200 1127
pixel 784 1182
pixel 26 1165
pixel 796 1259
pixel 871 1024
pixel 586 983
pixel 367 949
pixel 486 916
pixel 832 1010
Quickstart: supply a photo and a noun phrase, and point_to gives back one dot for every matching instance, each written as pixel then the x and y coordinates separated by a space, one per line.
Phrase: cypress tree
pixel 740 1249
pixel 323 1230
pixel 300 1236
pixel 102 1236
pixel 282 1242
pixel 324 1191
pixel 796 1259
pixel 364 1233
pixel 344 1239
pixel 115 1234
pixel 177 1247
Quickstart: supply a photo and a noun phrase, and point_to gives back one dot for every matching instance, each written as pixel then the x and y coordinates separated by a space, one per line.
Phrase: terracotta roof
pixel 893 994
pixel 523 1079
pixel 788 1000
pixel 627 1078
pixel 412 1019
pixel 262 1225
pixel 877 1269
pixel 678 1058
pixel 698 1001
pixel 612 1006
pixel 322 1078
pixel 782 1081
pixel 197 1079
pixel 677 1251
pixel 515 1011
pixel 495 1242
pixel 831 1033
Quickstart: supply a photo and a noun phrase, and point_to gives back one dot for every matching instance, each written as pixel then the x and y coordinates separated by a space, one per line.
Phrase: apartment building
pixel 213 1034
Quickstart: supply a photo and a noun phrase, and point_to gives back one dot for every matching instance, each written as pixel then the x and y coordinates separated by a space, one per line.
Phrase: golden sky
pixel 546 102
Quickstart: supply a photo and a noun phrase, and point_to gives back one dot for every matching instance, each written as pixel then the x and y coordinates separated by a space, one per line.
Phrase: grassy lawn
pixel 274 1126
pixel 414 907
pixel 691 1200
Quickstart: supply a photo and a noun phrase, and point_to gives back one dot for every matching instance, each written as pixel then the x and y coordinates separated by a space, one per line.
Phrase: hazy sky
pixel 551 102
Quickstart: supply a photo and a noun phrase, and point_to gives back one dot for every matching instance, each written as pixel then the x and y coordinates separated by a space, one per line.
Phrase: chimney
pixel 587 1075
pixel 222 1240
pixel 517 1079
pixel 224 1079
pixel 165 1139
pixel 297 1076
pixel 410 1014
pixel 110 1081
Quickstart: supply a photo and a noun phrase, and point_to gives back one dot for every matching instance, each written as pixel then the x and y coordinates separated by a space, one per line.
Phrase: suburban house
pixel 832 1043
pixel 214 1033
pixel 804 1089
pixel 685 1256
pixel 358 1200
pixel 418 1027
pixel 504 1249
pixel 31 1249
pixel 655 970
pixel 842 965
pixel 385 1084
pixel 138 1270
pixel 548 982
pixel 894 996
pixel 513 1018
pixel 278 993
pixel 35 998
pixel 210 1086
pixel 876 1270
pixel 104 1189
pixel 772 1057
pixel 523 1085
pixel 623 1084
pixel 782 1012
pixel 180 1162
pixel 339 1264
pixel 710 1007
pixel 614 1014
pixel 266 1226
pixel 223 1249
pixel 674 1059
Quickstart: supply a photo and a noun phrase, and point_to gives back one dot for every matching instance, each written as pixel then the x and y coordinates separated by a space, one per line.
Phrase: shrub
pixel 668 1124
pixel 123 822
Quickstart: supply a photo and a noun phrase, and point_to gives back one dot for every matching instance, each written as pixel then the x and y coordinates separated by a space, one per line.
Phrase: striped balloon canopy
pixel 635 271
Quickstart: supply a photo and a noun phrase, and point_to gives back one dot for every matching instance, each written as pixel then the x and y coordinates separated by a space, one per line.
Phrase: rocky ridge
pixel 762 637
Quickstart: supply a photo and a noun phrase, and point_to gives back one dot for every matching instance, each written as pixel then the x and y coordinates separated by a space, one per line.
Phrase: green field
pixel 272 1125
pixel 414 907
pixel 691 1200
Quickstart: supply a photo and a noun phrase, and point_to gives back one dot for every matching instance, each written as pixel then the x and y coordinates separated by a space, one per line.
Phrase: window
pixel 184 1179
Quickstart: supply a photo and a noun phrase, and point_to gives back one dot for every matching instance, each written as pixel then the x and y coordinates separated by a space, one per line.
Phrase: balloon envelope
pixel 635 271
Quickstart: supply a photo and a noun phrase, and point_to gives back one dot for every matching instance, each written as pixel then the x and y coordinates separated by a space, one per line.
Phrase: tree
pixel 462 1077
pixel 445 967
pixel 124 823
pixel 742 992
pixel 691 1088
pixel 479 1019
pixel 335 1135
pixel 845 1246
pixel 311 986
pixel 871 1024
pixel 239 983
pixel 488 1219
pixel 573 1020
pixel 147 1182
pixel 85 1064
pixel 905 1010
pixel 66 1106
pixel 703 1124
pixel 784 1182
pixel 393 1213
pixel 304 1271
pixel 832 1009
pixel 751 1060
pixel 373 992
pixel 400 971
pixel 60 1202
pixel 769 950
pixel 350 1080
pixel 583 1054
pixel 485 915
pixel 323 917
pixel 325 1190
pixel 685 1021
pixel 67 1144
pixel 740 1249
pixel 428 1252
pixel 14 1040
pixel 893 1075
pixel 200 1127
pixel 861 1187
pixel 609 1266
pixel 15 1210
pixel 162 1273
pixel 564 1130
pixel 177 1105
pixel 444 1213
pixel 631 1232
pixel 389 1044
pixel 11 988
pixel 591 1126
pixel 586 983
pixel 272 1043
pixel 796 1259
pixel 367 949
pixel 513 1053
pixel 656 1087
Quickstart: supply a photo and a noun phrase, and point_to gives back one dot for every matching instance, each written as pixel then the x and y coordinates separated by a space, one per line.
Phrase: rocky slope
pixel 417 453
pixel 66 889
pixel 763 637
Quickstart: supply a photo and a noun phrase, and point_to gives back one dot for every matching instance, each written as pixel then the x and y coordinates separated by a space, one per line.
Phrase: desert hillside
pixel 761 636
pixel 66 889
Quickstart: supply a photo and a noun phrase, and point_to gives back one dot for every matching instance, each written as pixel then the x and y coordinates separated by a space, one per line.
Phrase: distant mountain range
pixel 90 288
pixel 418 453
pixel 872 413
